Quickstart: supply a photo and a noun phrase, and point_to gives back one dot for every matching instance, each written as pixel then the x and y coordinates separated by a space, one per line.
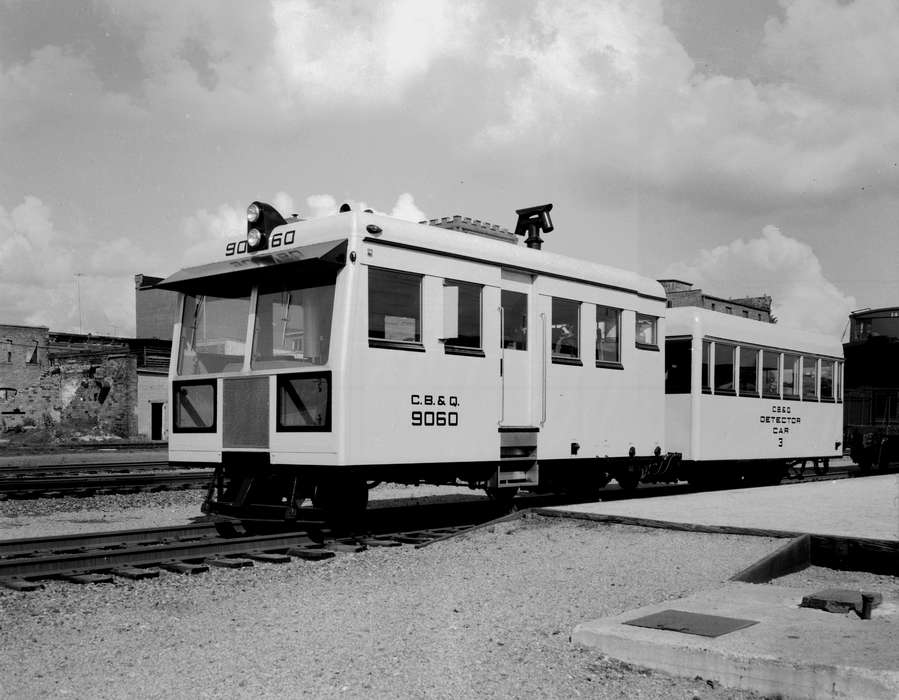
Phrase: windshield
pixel 293 324
pixel 213 334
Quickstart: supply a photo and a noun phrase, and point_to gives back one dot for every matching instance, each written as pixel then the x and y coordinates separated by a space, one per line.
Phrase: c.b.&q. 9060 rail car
pixel 318 356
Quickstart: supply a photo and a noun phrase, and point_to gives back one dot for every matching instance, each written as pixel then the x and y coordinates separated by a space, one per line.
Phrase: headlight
pixel 253 212
pixel 254 236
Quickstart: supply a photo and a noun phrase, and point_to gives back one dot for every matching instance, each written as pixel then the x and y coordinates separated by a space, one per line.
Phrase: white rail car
pixel 318 356
pixel 746 398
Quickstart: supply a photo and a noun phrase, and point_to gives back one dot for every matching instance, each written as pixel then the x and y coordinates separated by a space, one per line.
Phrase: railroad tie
pixel 230 563
pixel 135 574
pixel 310 554
pixel 268 557
pixel 88 578
pixel 20 584
pixel 180 567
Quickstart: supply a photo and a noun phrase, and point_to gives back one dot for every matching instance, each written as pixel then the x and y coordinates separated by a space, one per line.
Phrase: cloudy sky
pixel 748 147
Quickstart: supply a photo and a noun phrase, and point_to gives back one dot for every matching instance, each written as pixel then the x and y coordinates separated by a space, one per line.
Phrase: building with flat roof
pixel 682 293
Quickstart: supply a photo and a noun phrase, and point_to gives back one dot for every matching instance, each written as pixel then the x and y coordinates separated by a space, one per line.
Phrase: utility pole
pixel 78 291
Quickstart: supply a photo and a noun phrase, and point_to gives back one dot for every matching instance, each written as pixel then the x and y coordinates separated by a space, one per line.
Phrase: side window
pixel 809 379
pixel 469 315
pixel 770 374
pixel 706 364
pixel 32 355
pixel 515 320
pixel 647 331
pixel 565 328
pixel 608 347
pixel 678 354
pixel 749 372
pixel 7 393
pixel 394 306
pixel 827 377
pixel 6 351
pixel 724 368
pixel 791 376
pixel 838 383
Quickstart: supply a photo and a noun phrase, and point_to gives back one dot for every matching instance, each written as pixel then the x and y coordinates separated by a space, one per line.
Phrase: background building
pixel 155 309
pixel 682 293
pixel 70 385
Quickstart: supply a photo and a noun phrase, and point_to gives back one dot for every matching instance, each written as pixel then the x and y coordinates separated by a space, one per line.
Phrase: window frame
pixel 559 358
pixel 600 362
pixel 176 408
pixel 733 375
pixel 505 322
pixel 283 379
pixel 817 391
pixel 796 370
pixel 654 345
pixel 779 356
pixel 451 348
pixel 416 345
pixel 669 380
pixel 741 349
pixel 822 362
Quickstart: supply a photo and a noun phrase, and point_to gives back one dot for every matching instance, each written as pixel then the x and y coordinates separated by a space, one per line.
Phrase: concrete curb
pixel 792 651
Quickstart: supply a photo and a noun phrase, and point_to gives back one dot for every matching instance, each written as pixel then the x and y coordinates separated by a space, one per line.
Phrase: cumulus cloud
pixel 775 265
pixel 49 277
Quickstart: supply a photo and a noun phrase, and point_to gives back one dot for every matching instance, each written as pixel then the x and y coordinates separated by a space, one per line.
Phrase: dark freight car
pixel 872 387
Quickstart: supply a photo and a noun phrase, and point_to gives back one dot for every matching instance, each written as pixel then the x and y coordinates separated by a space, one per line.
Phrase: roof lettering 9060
pixel 275 241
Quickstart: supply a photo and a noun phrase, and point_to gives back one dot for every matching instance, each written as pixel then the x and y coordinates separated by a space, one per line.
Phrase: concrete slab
pixel 794 652
pixel 866 508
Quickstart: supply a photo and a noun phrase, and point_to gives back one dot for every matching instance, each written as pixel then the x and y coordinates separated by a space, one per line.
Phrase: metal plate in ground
pixel 691 623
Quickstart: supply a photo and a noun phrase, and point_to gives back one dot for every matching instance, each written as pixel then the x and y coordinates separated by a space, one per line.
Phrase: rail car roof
pixel 687 320
pixel 321 238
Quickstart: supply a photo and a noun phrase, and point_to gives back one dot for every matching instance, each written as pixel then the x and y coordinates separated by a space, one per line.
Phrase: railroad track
pixel 138 554
pixel 56 480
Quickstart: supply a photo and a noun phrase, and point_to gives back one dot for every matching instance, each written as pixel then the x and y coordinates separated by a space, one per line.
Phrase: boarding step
pixel 518 457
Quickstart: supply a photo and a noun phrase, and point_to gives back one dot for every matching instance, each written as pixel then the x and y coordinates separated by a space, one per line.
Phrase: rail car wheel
pixel 228 529
pixel 628 480
pixel 502 497
pixel 822 466
pixel 342 500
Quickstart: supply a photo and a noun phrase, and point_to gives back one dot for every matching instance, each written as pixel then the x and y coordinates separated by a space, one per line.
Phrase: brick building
pixel 82 384
pixel 681 293
pixel 155 309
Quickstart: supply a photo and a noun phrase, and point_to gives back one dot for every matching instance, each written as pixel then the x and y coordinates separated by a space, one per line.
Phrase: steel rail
pixel 69 467
pixel 73 483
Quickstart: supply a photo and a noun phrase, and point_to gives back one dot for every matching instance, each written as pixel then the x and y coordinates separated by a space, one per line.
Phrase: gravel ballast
pixel 487 614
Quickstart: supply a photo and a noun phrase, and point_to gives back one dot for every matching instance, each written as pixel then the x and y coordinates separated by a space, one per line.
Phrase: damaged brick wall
pixel 93 393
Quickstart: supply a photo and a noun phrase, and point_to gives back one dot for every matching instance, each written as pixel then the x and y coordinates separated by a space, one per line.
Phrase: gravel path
pixel 484 615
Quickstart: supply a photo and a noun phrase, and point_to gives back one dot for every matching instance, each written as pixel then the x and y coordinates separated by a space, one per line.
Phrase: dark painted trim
pixel 395 345
pixel 462 350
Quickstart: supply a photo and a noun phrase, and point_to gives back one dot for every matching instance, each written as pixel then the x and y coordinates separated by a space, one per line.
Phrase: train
pixel 316 358
pixel 872 387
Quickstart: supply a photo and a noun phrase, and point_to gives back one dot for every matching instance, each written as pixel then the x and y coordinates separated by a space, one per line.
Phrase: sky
pixel 747 147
